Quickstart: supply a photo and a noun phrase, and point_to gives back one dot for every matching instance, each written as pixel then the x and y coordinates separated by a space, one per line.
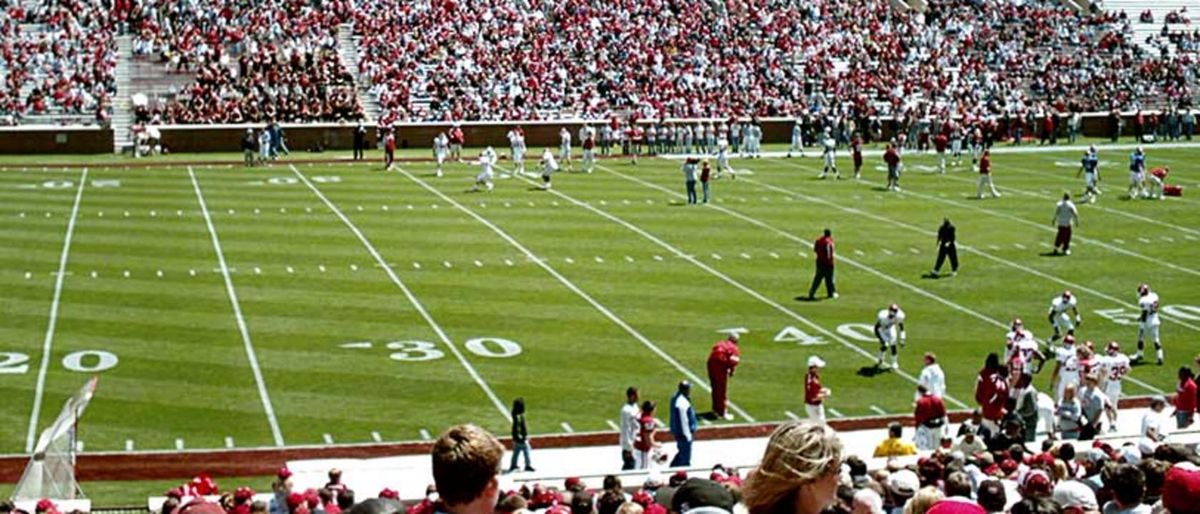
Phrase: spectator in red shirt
pixel 824 272
pixel 930 418
pixel 814 394
pixel 1185 398
pixel 991 392
pixel 722 362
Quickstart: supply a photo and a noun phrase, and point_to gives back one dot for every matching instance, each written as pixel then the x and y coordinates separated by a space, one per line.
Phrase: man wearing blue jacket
pixel 683 425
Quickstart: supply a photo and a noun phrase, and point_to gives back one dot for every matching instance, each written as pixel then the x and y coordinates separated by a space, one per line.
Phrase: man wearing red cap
pixel 814 394
pixel 722 362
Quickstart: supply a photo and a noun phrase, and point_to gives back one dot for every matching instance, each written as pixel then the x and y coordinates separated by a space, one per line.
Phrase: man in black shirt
pixel 946 248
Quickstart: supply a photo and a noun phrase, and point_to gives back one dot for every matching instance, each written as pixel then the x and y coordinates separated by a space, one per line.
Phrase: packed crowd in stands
pixel 514 59
pixel 252 61
pixel 802 471
pixel 63 64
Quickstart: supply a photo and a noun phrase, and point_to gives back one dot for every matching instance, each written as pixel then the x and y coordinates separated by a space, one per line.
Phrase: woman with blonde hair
pixel 923 500
pixel 799 471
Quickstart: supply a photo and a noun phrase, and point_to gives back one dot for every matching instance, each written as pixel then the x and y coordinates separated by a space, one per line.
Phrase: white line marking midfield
pixel 696 379
pixel 487 389
pixel 48 341
pixel 251 354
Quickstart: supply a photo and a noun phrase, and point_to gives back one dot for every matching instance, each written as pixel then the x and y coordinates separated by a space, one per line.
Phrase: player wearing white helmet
pixel 1059 319
pixel 1022 349
pixel 1090 169
pixel 1066 367
pixel 1114 367
pixel 889 329
pixel 516 142
pixel 486 161
pixel 723 166
pixel 549 166
pixel 829 152
pixel 1148 322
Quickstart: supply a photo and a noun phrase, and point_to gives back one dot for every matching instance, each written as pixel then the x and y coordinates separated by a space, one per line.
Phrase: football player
pixel 1148 322
pixel 1022 350
pixel 486 161
pixel 1066 367
pixel 829 152
pixel 549 166
pixel 889 329
pixel 1059 319
pixel 1114 367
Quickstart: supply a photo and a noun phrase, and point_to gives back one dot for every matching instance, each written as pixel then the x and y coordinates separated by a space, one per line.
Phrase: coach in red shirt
pixel 722 361
pixel 930 417
pixel 824 250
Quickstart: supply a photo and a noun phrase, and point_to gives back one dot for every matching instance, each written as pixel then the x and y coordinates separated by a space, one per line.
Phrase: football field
pixel 225 306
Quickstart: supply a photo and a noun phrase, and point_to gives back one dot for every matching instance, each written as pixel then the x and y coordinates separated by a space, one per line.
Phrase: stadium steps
pixel 122 104
pixel 1159 9
pixel 348 54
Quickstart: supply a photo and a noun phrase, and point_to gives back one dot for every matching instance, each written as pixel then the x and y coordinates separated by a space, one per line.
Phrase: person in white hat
pixel 814 394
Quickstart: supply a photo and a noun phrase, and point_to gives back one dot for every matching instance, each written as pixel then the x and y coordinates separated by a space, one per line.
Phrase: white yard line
pixel 696 379
pixel 1055 197
pixel 251 355
pixel 729 280
pixel 48 342
pixel 412 298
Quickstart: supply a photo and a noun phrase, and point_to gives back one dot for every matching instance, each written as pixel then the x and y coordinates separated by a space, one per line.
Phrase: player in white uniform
pixel 549 166
pixel 829 152
pixel 1149 322
pixel 1022 349
pixel 1067 366
pixel 441 149
pixel 723 166
pixel 797 138
pixel 564 147
pixel 1114 366
pixel 1059 318
pixel 516 141
pixel 889 329
pixel 486 161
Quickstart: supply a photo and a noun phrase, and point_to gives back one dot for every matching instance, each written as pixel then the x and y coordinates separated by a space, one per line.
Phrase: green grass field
pixel 363 305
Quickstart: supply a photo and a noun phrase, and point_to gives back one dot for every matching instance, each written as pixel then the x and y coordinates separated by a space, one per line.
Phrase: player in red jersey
pixel 1157 177
pixel 985 176
pixel 930 418
pixel 892 158
pixel 722 362
pixel 645 446
pixel 940 142
pixel 457 139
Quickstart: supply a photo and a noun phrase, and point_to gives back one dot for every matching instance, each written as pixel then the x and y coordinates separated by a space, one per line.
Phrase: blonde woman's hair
pixel 923 500
pixel 798 453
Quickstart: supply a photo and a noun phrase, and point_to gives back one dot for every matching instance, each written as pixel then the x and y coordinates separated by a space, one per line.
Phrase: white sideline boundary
pixel 996 149
pixel 696 379
pixel 251 355
pixel 729 280
pixel 412 298
pixel 852 262
pixel 48 342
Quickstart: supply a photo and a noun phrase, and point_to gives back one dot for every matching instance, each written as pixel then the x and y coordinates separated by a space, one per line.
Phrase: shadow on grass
pixel 1052 254
pixel 870 371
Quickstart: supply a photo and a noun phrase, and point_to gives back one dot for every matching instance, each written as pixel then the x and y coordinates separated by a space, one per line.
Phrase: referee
pixel 946 248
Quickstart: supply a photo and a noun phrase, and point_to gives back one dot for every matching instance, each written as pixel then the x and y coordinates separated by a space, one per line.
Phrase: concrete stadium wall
pixel 43 139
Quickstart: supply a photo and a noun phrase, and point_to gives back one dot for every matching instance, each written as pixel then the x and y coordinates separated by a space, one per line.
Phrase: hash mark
pixel 228 442
pixel 478 264
pixel 416 265
pixel 353 267
pixel 257 270
pixel 628 259
pixel 599 259
pixel 179 444
pixel 321 267
pixel 716 256
pixel 508 262
pixel 1143 240
pixel 1119 241
pixel 328 438
pixel 658 257
pixel 567 428
pixel 773 255
pixel 745 255
pixel 447 264
pixel 1019 246
pixel 858 252
pixel 887 252
pixel 613 425
pixel 376 437
pixel 792 415
pixel 914 250
pixel 129 445
pixel 425 435
pixel 878 410
pixel 570 260
pixel 836 413
pixel 291 269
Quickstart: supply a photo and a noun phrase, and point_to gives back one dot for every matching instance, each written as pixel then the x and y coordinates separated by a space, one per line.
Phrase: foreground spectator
pixel 798 472
pixel 466 462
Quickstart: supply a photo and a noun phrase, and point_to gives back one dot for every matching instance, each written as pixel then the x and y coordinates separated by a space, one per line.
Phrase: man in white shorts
pixel 829 153
pixel 889 330
pixel 486 162
pixel 723 166
pixel 1061 321
pixel 564 147
pixel 1066 367
pixel 516 141
pixel 1114 366
pixel 1148 322
pixel 814 394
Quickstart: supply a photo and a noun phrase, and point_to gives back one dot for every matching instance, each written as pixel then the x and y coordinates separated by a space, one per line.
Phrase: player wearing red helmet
pixel 889 329
pixel 1059 319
